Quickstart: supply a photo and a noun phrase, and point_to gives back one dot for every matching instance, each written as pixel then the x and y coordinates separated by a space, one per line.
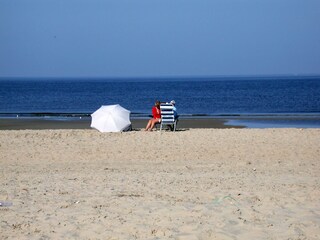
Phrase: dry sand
pixel 193 184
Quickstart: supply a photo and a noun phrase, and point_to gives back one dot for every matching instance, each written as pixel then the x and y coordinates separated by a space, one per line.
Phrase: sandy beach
pixel 189 184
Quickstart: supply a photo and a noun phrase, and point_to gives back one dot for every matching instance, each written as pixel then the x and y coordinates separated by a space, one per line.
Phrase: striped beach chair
pixel 167 116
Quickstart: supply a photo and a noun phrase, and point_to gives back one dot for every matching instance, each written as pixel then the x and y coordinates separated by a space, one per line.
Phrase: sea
pixel 255 102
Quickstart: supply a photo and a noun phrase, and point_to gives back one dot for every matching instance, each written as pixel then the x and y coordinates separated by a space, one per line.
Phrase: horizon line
pixel 173 77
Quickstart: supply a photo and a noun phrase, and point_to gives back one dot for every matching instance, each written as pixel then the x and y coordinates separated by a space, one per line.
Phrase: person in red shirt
pixel 156 116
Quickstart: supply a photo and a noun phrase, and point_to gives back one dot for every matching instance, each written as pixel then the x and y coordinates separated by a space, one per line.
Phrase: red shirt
pixel 156 112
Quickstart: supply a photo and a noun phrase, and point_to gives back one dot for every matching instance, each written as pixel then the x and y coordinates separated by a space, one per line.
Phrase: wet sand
pixel 25 123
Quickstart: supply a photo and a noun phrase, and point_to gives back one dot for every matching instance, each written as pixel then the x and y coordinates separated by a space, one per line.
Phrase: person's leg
pixel 149 124
pixel 153 122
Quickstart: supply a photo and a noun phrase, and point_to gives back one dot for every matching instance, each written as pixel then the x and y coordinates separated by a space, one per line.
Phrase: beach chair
pixel 167 116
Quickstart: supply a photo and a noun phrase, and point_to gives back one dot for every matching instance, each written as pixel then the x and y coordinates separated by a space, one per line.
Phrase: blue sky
pixel 158 38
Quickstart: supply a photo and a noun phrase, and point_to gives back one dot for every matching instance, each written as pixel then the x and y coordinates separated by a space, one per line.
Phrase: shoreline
pixel 36 124
pixel 307 121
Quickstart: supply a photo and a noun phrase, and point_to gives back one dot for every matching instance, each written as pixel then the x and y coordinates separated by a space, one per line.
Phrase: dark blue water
pixel 193 97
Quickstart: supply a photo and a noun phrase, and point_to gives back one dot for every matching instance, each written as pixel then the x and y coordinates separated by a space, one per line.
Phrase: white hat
pixel 173 102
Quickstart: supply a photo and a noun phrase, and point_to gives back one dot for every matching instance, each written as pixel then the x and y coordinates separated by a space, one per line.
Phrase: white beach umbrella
pixel 111 118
